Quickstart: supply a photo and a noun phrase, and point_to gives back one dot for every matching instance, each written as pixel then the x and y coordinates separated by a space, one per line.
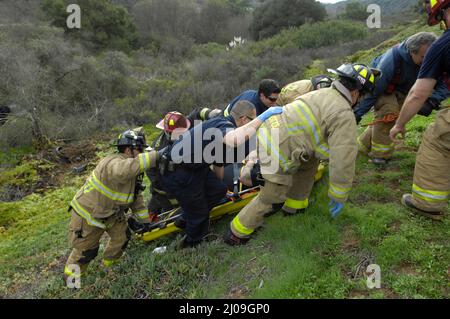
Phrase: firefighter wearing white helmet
pixel 319 125
pixel 100 205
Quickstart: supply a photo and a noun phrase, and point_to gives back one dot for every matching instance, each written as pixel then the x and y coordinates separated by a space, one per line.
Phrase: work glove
pixel 428 107
pixel 274 110
pixel 335 208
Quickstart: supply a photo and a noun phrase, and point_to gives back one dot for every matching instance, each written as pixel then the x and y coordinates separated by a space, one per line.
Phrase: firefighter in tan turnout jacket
pixel 318 125
pixel 100 205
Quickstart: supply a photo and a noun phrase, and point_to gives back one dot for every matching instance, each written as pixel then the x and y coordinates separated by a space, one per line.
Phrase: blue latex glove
pixel 274 110
pixel 335 208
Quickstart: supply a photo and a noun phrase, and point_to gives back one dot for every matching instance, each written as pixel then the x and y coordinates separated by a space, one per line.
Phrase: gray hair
pixel 416 41
pixel 243 108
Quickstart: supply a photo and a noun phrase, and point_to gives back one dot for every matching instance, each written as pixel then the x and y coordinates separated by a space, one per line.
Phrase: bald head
pixel 243 112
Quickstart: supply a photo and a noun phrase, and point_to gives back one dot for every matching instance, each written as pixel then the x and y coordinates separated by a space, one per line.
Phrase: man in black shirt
pixel 196 187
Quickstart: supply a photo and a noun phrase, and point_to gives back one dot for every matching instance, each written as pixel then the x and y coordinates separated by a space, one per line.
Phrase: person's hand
pixel 397 129
pixel 335 208
pixel 271 111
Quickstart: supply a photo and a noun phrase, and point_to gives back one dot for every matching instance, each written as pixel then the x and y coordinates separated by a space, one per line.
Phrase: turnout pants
pixel 431 186
pixel 375 140
pixel 85 240
pixel 293 196
pixel 197 192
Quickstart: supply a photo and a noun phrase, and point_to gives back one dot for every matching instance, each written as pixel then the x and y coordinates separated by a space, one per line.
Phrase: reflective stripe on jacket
pixel 319 124
pixel 111 187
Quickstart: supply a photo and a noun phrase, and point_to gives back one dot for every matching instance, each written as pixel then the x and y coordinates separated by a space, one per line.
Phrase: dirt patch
pixel 350 240
pixel 239 292
pixel 406 268
pixel 52 167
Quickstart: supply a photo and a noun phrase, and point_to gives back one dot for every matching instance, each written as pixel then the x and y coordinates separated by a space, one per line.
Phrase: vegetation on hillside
pixel 71 93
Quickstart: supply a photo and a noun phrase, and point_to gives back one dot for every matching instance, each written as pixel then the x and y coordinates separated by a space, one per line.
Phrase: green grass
pixel 307 256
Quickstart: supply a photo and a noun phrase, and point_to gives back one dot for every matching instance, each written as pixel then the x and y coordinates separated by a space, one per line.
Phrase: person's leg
pixel 189 190
pixel 365 141
pixel 431 185
pixel 303 182
pixel 215 189
pixel 382 146
pixel 252 216
pixel 84 240
pixel 119 235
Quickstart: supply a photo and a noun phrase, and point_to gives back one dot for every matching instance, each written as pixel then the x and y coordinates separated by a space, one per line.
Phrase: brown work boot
pixel 407 201
pixel 232 240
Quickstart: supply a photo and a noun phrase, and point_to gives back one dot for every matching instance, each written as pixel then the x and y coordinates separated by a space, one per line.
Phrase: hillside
pixel 388 7
pixel 308 256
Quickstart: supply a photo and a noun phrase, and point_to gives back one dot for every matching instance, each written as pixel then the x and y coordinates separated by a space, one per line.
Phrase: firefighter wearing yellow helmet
pixel 319 125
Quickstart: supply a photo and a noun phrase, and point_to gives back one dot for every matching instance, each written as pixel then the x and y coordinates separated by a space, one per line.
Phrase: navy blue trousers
pixel 197 192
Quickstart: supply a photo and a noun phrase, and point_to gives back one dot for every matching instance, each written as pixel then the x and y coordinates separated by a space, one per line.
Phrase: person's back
pixel 294 90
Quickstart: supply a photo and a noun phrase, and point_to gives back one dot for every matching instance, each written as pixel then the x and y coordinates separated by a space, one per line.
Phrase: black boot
pixel 232 240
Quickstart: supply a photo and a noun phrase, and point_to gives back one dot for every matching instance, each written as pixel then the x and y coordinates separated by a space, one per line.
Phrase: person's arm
pixel 417 96
pixel 140 210
pixel 125 169
pixel 220 171
pixel 387 67
pixel 243 133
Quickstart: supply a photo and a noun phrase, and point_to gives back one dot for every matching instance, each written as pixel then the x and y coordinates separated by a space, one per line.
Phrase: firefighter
pixel 188 176
pixel 265 97
pixel 174 124
pixel 400 66
pixel 100 205
pixel 294 90
pixel 431 183
pixel 250 172
pixel 318 125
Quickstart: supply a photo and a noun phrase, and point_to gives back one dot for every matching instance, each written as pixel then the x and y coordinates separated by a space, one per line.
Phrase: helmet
pixel 321 81
pixel 434 10
pixel 134 138
pixel 363 76
pixel 173 121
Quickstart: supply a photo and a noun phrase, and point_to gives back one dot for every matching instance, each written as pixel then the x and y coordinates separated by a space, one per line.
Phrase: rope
pixel 389 118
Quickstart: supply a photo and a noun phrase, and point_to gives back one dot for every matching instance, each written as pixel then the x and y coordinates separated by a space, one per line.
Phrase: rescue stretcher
pixel 232 204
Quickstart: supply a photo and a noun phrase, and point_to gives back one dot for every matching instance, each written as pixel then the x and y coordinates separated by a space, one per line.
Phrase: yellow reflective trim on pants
pixel 159 191
pixel 362 148
pixel 382 148
pixel 203 113
pixel 296 204
pixel 71 274
pixel 144 161
pixel 142 214
pixel 108 192
pixel 109 263
pixel 429 195
pixel 241 228
pixel 266 140
pixel 227 111
pixel 85 214
pixel 312 127
pixel 338 192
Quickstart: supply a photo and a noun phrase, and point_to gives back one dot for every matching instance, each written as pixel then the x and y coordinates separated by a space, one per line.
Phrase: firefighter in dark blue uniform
pixel 188 176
